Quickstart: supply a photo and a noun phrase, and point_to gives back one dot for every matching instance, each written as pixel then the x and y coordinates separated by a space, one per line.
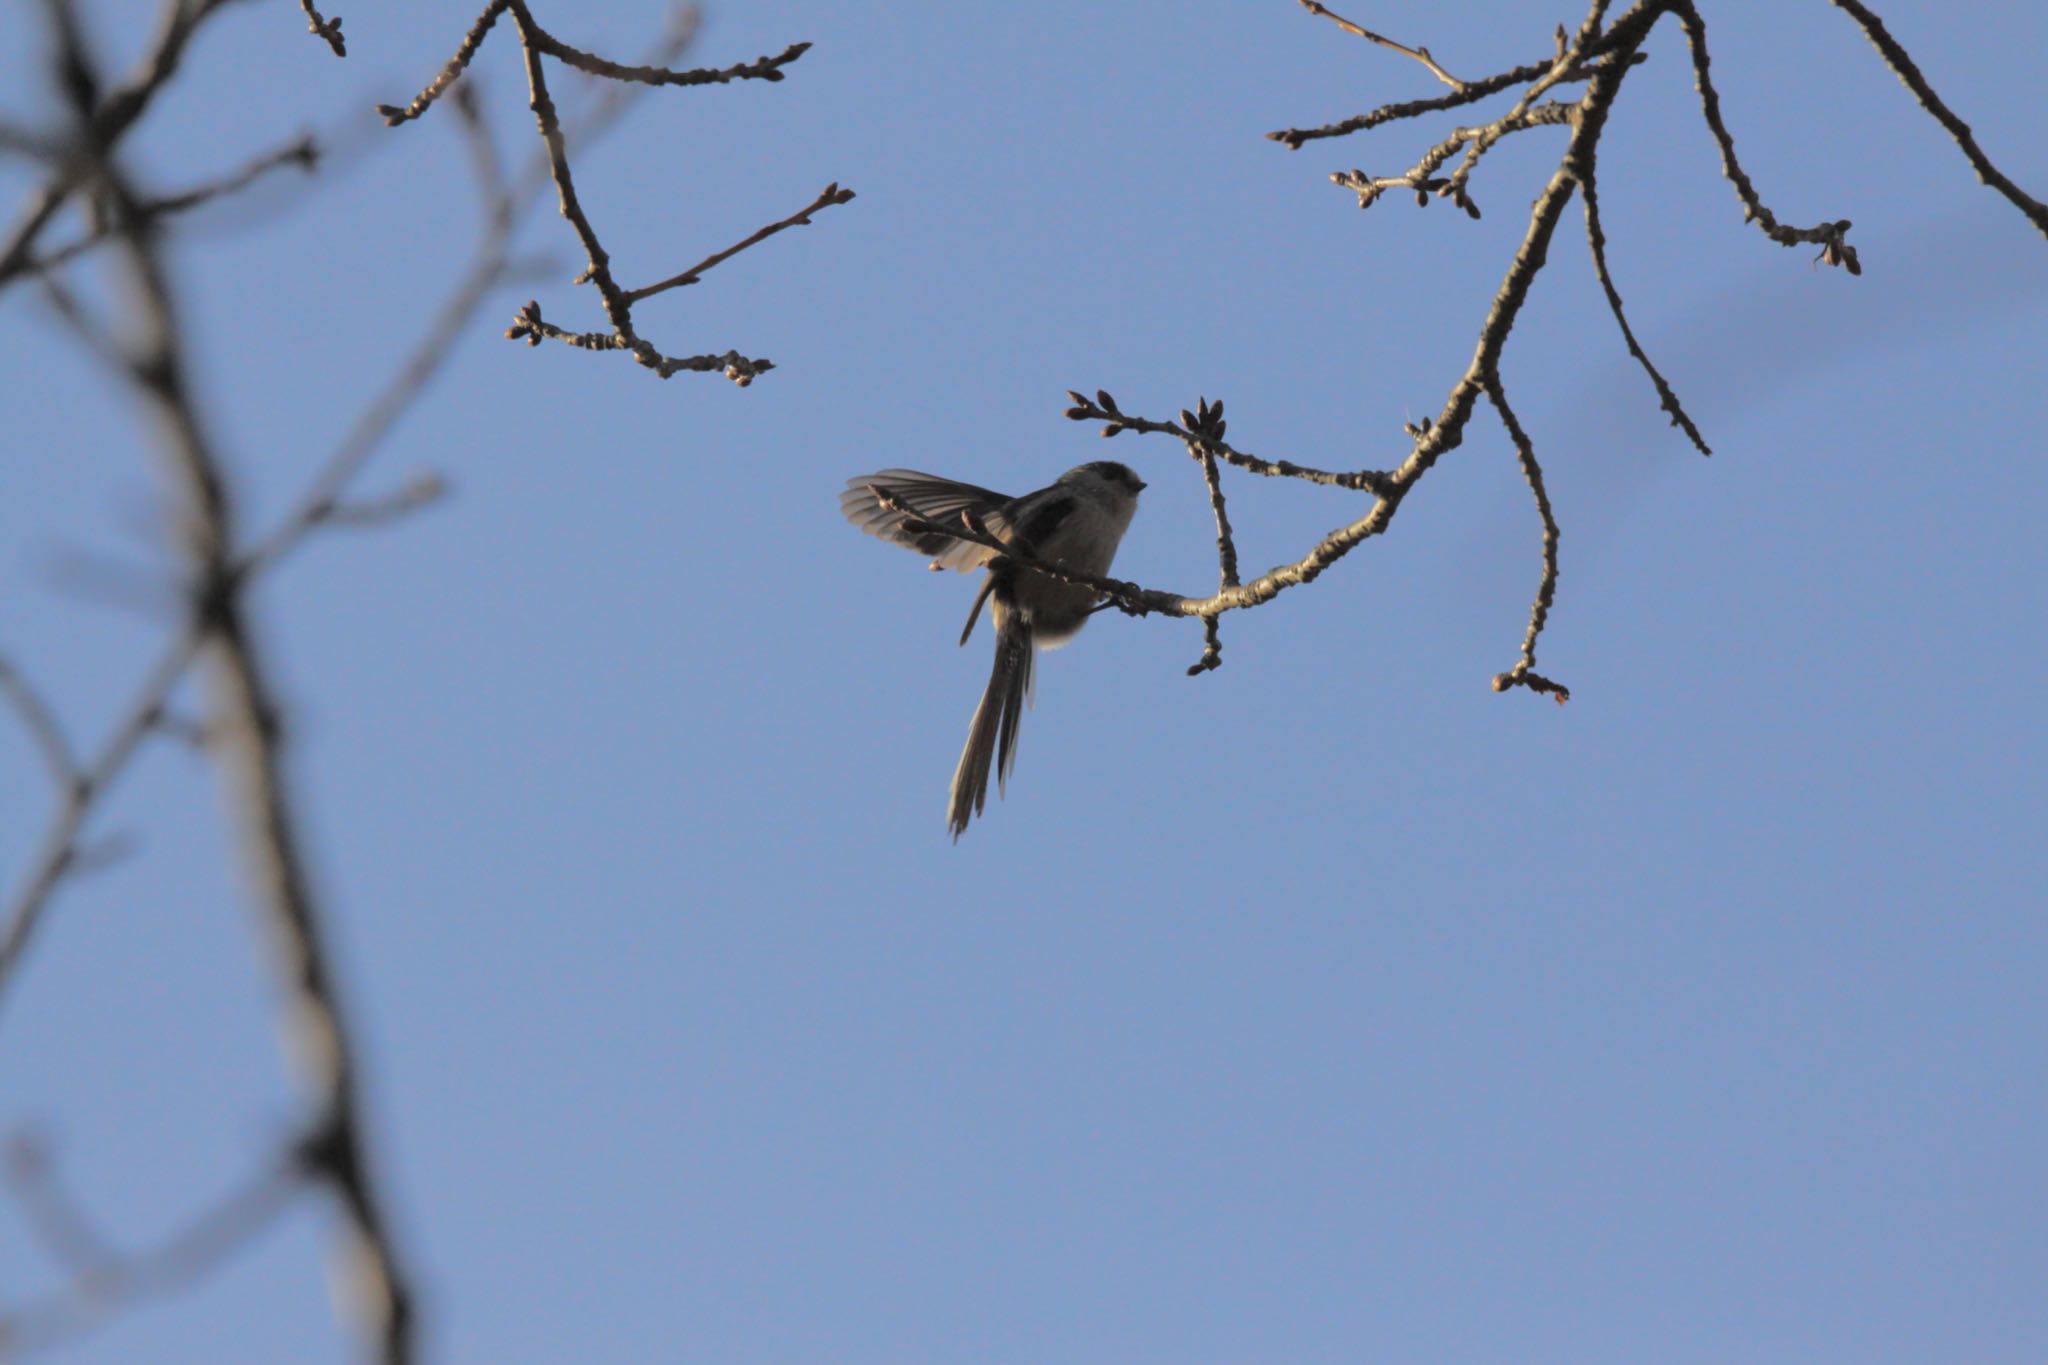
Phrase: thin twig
pixel 1569 56
pixel 111 115
pixel 1212 649
pixel 1422 177
pixel 827 197
pixel 58 854
pixel 327 30
pixel 1524 673
pixel 41 724
pixel 301 152
pixel 1420 54
pixel 1472 93
pixel 1909 75
pixel 1084 409
pixel 1667 397
pixel 1829 236
pixel 110 1281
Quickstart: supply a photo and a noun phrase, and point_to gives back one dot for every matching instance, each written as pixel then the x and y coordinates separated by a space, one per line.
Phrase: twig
pixel 301 152
pixel 1667 397
pixel 109 117
pixel 105 1281
pixel 1212 649
pixel 535 43
pixel 1472 93
pixel 328 30
pixel 1204 426
pixel 1829 236
pixel 827 197
pixel 767 68
pixel 248 750
pixel 1524 673
pixel 58 853
pixel 1102 408
pixel 1420 54
pixel 1909 75
pixel 41 724
pixel 1568 56
pixel 1422 177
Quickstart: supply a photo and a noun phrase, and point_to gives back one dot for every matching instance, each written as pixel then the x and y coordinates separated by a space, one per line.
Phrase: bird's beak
pixel 1142 485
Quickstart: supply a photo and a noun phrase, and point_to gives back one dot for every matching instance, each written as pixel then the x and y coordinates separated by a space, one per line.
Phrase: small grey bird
pixel 1075 522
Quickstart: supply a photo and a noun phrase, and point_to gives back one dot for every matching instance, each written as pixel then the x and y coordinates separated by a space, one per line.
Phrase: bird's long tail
pixel 993 735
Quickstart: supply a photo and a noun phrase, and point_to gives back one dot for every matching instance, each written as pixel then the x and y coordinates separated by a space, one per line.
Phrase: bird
pixel 1076 522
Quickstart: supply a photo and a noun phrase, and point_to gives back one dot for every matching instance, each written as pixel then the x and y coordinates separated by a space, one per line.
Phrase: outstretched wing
pixel 932 498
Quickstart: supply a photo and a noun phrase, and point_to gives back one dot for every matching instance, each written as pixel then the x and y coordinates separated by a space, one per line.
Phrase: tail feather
pixel 993 733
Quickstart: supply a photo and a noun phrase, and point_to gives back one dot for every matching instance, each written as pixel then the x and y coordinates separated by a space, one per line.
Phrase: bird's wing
pixel 931 498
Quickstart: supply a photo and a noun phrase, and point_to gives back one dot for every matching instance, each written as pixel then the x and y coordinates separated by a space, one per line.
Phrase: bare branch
pixel 1212 649
pixel 1422 177
pixel 58 854
pixel 760 69
pixel 1084 409
pixel 1568 57
pixel 327 30
pixel 1595 236
pixel 1524 673
pixel 1420 54
pixel 1909 75
pixel 827 197
pixel 1829 236
pixel 471 41
pixel 107 118
pixel 105 1280
pixel 1471 93
pixel 301 152
pixel 41 724
pixel 536 43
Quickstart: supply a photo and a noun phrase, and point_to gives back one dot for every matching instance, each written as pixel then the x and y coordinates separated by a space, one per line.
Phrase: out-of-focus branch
pixel 61 853
pixel 105 1280
pixel 41 724
pixel 301 152
pixel 246 742
pixel 529 326
pixel 106 119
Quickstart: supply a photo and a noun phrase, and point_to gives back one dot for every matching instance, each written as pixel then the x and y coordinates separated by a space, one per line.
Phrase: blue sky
pixel 1328 1007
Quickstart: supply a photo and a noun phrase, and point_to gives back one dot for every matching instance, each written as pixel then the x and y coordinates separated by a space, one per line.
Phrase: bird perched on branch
pixel 1075 522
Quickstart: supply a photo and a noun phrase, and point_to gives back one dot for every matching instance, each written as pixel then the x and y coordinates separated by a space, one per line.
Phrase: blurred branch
pixel 301 152
pixel 105 118
pixel 529 326
pixel 246 744
pixel 59 854
pixel 105 1280
pixel 42 727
